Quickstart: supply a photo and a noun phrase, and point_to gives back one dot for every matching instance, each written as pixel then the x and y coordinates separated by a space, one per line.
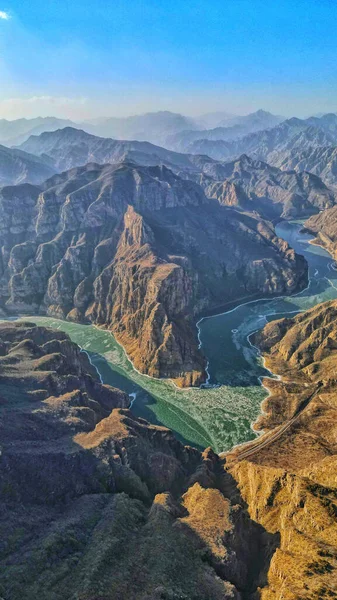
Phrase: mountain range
pixel 17 166
pixel 141 251
pixel 304 145
pixel 154 127
pixel 246 183
pixel 71 147
pixel 293 144
pixel 254 185
pixel 228 129
pixel 96 503
pixel 143 240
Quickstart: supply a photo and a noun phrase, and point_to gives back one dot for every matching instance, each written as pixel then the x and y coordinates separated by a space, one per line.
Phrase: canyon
pixel 142 241
pixel 98 503
pixel 141 251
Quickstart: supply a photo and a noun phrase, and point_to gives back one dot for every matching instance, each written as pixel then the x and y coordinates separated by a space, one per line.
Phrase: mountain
pixel 141 251
pixel 67 148
pixel 229 129
pixel 213 119
pixel 71 147
pixel 96 503
pixel 151 127
pixel 287 476
pixel 90 494
pixel 327 122
pixel 324 226
pixel 181 142
pixel 13 133
pixel 320 160
pixel 17 166
pixel 256 121
pixel 271 145
pixel 254 185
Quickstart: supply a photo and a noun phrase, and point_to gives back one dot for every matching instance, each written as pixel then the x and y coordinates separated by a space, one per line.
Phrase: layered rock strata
pixel 138 250
pixel 96 503
pixel 288 476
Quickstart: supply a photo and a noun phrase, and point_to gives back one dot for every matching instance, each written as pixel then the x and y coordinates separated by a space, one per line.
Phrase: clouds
pixel 5 16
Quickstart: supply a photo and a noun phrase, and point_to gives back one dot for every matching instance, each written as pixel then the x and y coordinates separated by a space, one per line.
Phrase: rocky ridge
pixel 273 193
pixel 126 247
pixel 324 226
pixel 320 160
pixel 96 503
pixel 69 147
pixel 272 145
pixel 17 166
pixel 288 475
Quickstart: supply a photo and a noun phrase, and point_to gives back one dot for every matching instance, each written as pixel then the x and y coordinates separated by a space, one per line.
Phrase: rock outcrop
pixel 98 504
pixel 324 226
pixel 288 475
pixel 68 148
pixel 138 250
pixel 275 144
pixel 320 160
pixel 255 185
pixel 18 167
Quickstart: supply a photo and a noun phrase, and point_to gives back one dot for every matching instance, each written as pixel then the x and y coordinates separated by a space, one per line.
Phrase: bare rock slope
pixel 141 251
pixel 288 475
pixel 98 504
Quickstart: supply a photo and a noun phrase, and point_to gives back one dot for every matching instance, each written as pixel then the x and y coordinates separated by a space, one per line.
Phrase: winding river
pixel 219 416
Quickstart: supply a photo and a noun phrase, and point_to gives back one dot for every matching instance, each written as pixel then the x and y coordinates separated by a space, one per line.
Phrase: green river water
pixel 220 415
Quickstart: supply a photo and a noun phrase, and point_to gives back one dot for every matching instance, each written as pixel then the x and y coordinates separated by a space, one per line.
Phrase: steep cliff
pixel 324 226
pixel 288 476
pixel 98 504
pixel 141 251
pixel 255 185
pixel 18 167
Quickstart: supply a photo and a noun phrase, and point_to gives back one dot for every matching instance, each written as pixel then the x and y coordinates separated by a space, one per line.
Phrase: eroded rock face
pixel 255 185
pixel 324 226
pixel 96 503
pixel 288 476
pixel 17 166
pixel 141 251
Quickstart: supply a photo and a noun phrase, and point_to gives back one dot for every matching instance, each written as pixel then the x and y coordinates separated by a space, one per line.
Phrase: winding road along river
pixel 219 416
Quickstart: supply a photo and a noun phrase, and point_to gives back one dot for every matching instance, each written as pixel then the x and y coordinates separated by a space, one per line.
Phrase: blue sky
pixel 118 57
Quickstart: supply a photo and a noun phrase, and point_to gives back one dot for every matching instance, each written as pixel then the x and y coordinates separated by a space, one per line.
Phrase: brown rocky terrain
pixel 138 250
pixel 258 186
pixel 288 475
pixel 68 148
pixel 97 504
pixel 324 226
pixel 255 185
pixel 320 160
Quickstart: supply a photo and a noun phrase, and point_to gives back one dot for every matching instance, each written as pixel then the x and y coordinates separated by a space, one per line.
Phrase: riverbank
pixel 220 416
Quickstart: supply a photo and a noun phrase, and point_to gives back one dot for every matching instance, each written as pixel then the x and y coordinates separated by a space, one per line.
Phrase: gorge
pixel 144 443
pixel 219 416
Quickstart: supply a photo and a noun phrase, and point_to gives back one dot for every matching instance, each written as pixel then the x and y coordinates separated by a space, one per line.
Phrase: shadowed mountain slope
pixel 255 185
pixel 288 475
pixel 17 166
pixel 141 251
pixel 98 504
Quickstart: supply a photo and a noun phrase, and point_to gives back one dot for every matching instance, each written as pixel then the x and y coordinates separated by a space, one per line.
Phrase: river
pixel 219 416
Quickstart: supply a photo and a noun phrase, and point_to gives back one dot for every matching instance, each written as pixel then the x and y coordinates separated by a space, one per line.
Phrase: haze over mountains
pixel 292 144
pixel 143 239
pixel 154 127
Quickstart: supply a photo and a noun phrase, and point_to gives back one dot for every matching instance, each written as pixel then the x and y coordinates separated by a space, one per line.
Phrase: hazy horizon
pixel 196 117
pixel 79 60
